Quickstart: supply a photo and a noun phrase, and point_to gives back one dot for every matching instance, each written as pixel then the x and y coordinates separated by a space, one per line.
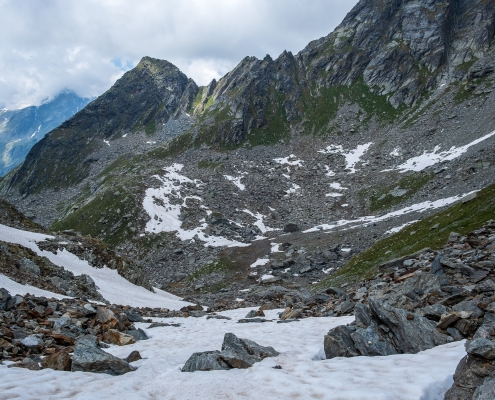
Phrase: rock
pixel 137 334
pixel 61 323
pixel 447 320
pixel 205 361
pixel 107 318
pixel 115 337
pixel 88 357
pixel 433 312
pixel 161 324
pixel 255 313
pixel 486 286
pixel 33 342
pixel 4 298
pixel 481 347
pixel 338 343
pixel 413 335
pixel 345 307
pixel 486 391
pixel 248 320
pixel 29 267
pixel 133 317
pixel 60 361
pixel 471 306
pixel 218 317
pixel 236 353
pixel 134 356
pixel 290 313
pixel 243 353
pixel 291 227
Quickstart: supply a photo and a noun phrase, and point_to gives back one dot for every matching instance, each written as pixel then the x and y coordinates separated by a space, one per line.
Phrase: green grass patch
pixel 460 218
pixel 223 265
pixel 102 217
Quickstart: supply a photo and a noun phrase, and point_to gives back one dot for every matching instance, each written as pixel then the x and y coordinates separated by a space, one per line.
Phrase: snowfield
pixel 304 375
pixel 110 284
pixel 368 220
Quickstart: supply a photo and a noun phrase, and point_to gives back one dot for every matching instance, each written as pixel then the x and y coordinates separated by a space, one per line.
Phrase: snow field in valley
pixel 110 284
pixel 304 375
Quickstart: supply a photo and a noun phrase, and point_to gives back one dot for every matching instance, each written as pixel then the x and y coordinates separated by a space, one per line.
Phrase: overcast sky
pixel 84 45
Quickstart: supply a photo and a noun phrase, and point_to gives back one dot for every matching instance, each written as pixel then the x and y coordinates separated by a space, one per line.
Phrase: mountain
pixel 21 129
pixel 284 169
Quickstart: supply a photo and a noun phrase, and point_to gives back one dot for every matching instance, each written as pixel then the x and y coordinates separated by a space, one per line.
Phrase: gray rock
pixel 243 353
pixel 29 267
pixel 486 286
pixel 486 391
pixel 469 305
pixel 481 347
pixel 88 357
pixel 133 356
pixel 205 361
pixel 137 334
pixel 338 343
pixel 413 334
pixel 236 353
pixel 433 312
pixel 61 323
pixel 4 298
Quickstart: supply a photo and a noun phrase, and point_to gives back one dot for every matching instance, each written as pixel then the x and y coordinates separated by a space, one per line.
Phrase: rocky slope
pixel 285 168
pixel 21 129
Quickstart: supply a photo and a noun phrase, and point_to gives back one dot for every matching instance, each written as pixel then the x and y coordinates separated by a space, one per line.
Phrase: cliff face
pixel 143 99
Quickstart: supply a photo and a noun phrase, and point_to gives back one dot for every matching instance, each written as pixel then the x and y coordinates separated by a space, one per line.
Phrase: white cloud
pixel 46 46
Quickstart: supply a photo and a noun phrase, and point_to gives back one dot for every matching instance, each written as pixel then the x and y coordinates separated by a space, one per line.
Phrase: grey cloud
pixel 46 46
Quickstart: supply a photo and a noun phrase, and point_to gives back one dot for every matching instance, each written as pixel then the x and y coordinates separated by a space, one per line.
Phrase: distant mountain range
pixel 21 129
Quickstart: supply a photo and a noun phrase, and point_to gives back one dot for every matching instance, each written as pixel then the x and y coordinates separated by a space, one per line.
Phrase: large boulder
pixel 115 337
pixel 60 361
pixel 236 353
pixel 381 330
pixel 88 357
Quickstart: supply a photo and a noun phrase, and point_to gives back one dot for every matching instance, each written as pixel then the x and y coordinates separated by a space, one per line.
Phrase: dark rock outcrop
pixel 236 353
pixel 381 330
pixel 88 357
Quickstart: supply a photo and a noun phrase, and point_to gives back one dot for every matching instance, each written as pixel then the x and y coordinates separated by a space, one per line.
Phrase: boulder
pixel 381 330
pixel 243 353
pixel 4 298
pixel 119 338
pixel 60 361
pixel 107 318
pixel 134 356
pixel 205 361
pixel 137 334
pixel 88 357
pixel 236 353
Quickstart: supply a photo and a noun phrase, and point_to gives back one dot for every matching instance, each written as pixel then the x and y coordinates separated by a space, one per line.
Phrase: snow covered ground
pixel 304 375
pixel 352 157
pixel 111 285
pixel 427 159
pixel 368 220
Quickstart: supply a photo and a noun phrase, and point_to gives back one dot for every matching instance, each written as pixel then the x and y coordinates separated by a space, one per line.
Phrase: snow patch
pixel 369 220
pixel 289 160
pixel 165 215
pixel 427 159
pixel 260 262
pixel 236 181
pixel 352 157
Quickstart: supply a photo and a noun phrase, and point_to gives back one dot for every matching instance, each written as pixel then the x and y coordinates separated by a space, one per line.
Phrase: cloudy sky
pixel 84 45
